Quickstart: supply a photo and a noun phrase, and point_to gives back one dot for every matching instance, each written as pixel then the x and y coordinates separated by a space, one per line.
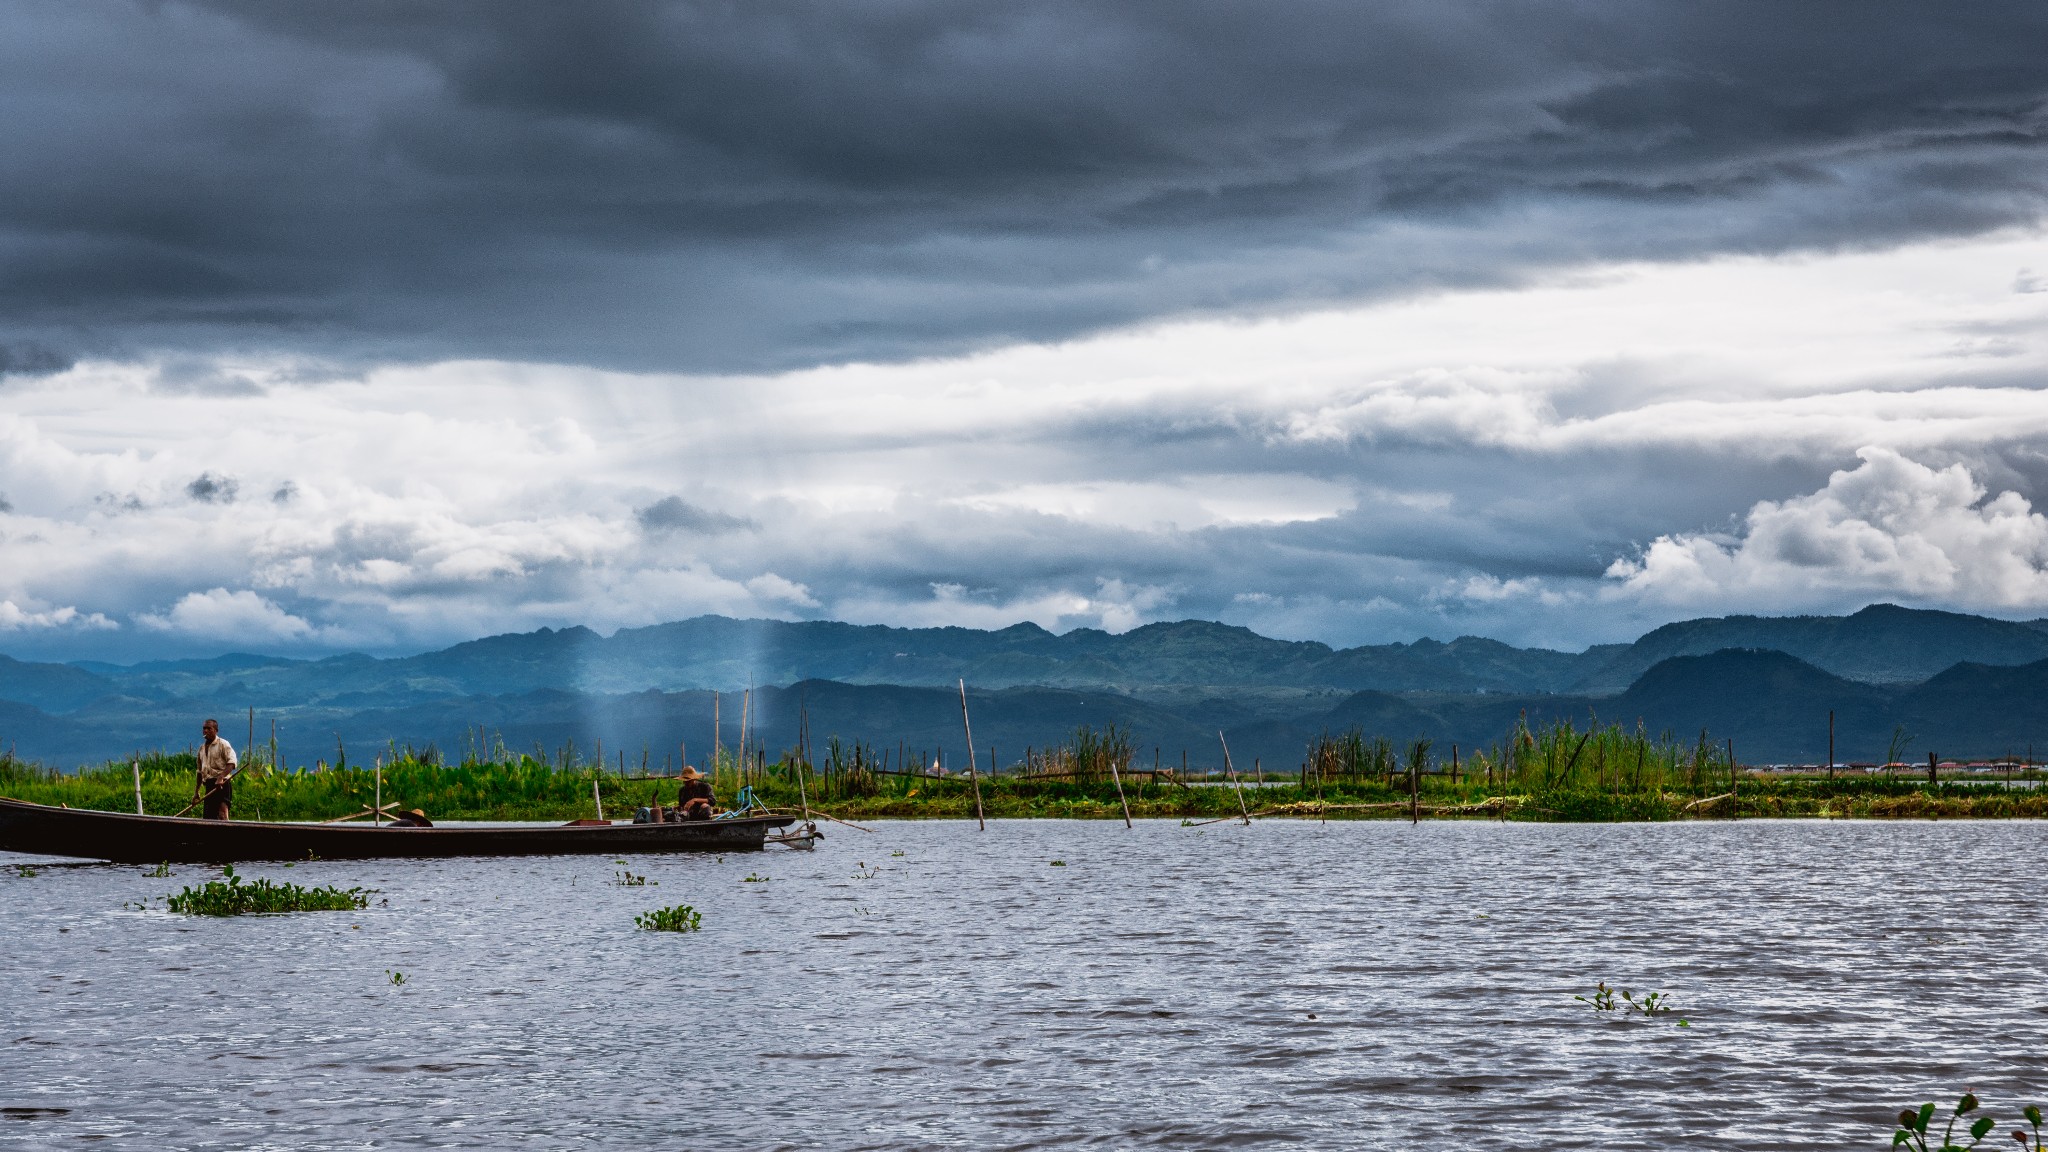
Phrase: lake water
pixel 1355 985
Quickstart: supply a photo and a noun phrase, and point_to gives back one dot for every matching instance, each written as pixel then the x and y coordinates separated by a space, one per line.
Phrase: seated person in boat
pixel 216 773
pixel 412 819
pixel 694 797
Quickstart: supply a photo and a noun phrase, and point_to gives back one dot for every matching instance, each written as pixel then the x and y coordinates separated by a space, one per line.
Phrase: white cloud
pixel 769 586
pixel 15 618
pixel 1890 527
pixel 219 614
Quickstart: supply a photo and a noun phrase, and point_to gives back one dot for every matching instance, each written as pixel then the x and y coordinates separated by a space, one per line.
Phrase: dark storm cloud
pixel 208 488
pixel 674 514
pixel 719 186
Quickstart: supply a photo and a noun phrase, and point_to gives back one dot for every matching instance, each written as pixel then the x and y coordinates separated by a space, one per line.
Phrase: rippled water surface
pixel 1368 985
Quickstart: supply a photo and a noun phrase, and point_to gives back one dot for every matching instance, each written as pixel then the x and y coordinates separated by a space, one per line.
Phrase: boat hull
pixel 76 832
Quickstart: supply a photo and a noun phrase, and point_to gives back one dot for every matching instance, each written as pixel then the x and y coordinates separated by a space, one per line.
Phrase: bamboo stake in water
pixel 1734 785
pixel 138 784
pixel 380 792
pixel 1238 784
pixel 595 798
pixel 972 773
pixel 1119 788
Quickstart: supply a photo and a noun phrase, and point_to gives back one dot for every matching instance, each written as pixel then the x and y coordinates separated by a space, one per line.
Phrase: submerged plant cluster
pixel 230 897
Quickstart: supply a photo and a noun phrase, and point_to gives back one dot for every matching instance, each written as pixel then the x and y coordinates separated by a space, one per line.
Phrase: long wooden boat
pixel 117 836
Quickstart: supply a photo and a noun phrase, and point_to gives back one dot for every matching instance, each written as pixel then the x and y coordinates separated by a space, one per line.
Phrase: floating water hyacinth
pixel 681 918
pixel 1913 1125
pixel 1605 999
pixel 231 897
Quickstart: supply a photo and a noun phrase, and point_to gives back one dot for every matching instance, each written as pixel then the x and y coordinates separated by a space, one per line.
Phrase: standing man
pixel 216 772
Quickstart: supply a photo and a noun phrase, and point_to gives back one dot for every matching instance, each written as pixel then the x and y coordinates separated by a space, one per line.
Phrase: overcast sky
pixel 384 325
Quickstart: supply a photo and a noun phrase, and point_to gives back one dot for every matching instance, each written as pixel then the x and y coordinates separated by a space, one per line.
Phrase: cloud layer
pixel 707 186
pixel 389 324
pixel 1562 463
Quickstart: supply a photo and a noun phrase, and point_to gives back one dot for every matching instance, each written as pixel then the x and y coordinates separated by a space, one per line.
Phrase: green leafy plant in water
pixel 24 871
pixel 1057 864
pixel 753 879
pixel 681 918
pixel 160 872
pixel 396 978
pixel 628 880
pixel 1605 999
pixel 1913 1125
pixel 231 897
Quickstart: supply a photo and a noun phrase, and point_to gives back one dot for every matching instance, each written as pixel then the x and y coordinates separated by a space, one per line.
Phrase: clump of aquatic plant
pixel 681 918
pixel 628 880
pixel 1057 864
pixel 1913 1125
pixel 397 978
pixel 24 871
pixel 230 897
pixel 1606 999
pixel 753 879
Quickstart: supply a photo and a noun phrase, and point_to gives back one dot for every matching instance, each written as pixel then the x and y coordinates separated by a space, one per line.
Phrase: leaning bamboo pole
pixel 972 773
pixel 1239 784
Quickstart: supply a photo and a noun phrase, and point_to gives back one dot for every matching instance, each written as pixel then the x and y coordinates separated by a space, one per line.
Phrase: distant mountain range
pixel 1959 683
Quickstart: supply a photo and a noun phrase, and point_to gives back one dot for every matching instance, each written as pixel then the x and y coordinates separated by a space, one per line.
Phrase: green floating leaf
pixel 263 898
pixel 681 918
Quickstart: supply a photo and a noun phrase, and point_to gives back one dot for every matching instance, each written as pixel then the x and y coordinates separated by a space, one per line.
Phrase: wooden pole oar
pixel 837 820
pixel 197 800
pixel 386 810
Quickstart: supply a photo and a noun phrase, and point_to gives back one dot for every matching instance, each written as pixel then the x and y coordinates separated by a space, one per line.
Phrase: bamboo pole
pixel 1120 791
pixel 1239 784
pixel 594 797
pixel 1734 785
pixel 1415 790
pixel 972 773
pixel 380 791
pixel 138 784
